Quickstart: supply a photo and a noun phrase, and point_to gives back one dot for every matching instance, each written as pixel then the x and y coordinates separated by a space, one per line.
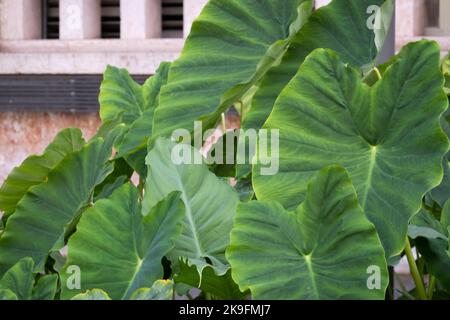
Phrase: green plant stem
pixel 431 287
pixel 141 187
pixel 415 272
pixel 208 296
pixel 224 123
pixel 377 72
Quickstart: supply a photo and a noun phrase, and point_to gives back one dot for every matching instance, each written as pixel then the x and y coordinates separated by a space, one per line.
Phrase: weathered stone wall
pixel 25 133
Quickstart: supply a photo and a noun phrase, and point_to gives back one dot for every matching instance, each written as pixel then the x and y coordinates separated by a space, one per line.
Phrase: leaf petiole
pixel 415 272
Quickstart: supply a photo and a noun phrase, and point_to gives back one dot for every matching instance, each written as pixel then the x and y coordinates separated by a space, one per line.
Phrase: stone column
pixel 191 10
pixel 140 19
pixel 444 17
pixel 411 16
pixel 80 19
pixel 20 19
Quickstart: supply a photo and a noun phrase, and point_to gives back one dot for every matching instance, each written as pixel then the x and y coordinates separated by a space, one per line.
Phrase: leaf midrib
pixel 372 162
pixel 308 262
pixel 189 216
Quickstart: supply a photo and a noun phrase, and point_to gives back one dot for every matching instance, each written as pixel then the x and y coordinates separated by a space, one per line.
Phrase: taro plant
pixel 139 211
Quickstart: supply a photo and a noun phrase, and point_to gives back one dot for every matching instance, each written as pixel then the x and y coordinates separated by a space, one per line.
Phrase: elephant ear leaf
pixel 131 256
pixel 20 279
pixel 120 95
pixel 94 294
pixel 161 290
pixel 324 249
pixel 220 287
pixel 141 128
pixel 341 26
pixel 123 100
pixel 35 169
pixel 231 46
pixel 7 295
pixel 381 133
pixel 435 249
pixel 446 71
pixel 46 287
pixel 441 193
pixel 50 209
pixel 210 204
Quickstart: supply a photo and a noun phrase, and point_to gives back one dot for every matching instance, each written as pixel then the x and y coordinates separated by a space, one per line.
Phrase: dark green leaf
pixel 210 205
pixel 388 136
pixel 127 245
pixel 325 249
pixel 50 209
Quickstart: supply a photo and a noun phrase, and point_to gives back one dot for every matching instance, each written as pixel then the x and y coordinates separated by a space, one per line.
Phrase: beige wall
pixel 25 133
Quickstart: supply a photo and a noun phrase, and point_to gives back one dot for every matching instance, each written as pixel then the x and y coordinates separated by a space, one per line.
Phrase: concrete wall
pixel 26 133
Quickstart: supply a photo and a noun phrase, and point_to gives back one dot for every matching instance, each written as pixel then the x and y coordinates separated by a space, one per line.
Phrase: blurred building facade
pixel 53 52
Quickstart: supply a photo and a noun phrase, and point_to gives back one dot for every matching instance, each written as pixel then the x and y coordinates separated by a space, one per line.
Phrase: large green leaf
pixel 435 249
pixel 46 287
pixel 425 225
pixel 141 129
pixel 20 279
pixel 441 193
pixel 435 252
pixel 231 46
pixel 340 26
pixel 160 290
pixel 446 71
pixel 121 174
pixel 120 95
pixel 34 170
pixel 117 248
pixel 8 295
pixel 210 205
pixel 45 213
pixel 324 249
pixel 124 100
pixel 94 294
pixel 388 135
pixel 220 287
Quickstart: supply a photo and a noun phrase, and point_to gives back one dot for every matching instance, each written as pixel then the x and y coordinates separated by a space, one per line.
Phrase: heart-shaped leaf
pixel 46 287
pixel 120 95
pixel 7 295
pixel 220 287
pixel 231 46
pixel 343 26
pixel 131 257
pixel 210 204
pixel 124 100
pixel 161 290
pixel 35 169
pixel 20 279
pixel 141 129
pixel 325 249
pixel 94 294
pixel 435 250
pixel 49 209
pixel 388 135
